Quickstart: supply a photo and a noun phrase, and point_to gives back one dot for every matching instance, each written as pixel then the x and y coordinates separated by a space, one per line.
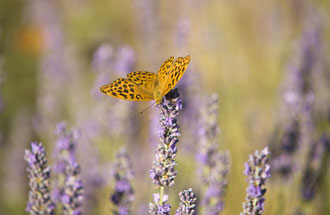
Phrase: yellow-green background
pixel 241 50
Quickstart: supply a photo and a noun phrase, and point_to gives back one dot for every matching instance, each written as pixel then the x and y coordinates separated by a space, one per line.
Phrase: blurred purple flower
pixel 57 67
pixel 182 33
pixel 105 116
pixel 148 32
pixel 123 195
pixel 125 61
pixel 102 64
pixel 299 100
pixel 187 205
pixel 39 175
pixel 258 171
pixel 316 168
pixel 214 164
pixel 283 162
pixel 102 58
pixel 69 190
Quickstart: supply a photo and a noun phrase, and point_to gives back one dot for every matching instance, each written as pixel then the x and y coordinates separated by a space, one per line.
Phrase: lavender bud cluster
pixel 123 195
pixel 187 205
pixel 39 180
pixel 258 171
pixel 159 207
pixel 69 191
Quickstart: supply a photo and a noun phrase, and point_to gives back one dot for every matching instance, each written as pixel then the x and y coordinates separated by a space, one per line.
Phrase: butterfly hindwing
pixel 127 90
pixel 174 74
pixel 145 80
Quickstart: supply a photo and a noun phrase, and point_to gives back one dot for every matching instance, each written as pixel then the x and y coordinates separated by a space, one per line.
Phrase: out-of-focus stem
pixel 161 193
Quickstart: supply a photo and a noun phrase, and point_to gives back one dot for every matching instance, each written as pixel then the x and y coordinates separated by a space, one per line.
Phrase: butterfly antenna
pixel 147 108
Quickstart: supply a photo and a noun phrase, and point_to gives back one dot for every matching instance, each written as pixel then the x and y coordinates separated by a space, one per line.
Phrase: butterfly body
pixel 146 86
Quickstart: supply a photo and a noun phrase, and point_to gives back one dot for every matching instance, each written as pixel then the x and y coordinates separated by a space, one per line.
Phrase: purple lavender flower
pixel 69 191
pixel 283 161
pixel 299 99
pixel 187 205
pixel 159 207
pixel 258 171
pixel 39 175
pixel 316 167
pixel 123 195
pixel 163 172
pixel 214 164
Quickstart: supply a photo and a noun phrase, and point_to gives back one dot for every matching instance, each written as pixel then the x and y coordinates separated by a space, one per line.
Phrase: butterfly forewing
pixel 145 80
pixel 174 74
pixel 165 68
pixel 127 90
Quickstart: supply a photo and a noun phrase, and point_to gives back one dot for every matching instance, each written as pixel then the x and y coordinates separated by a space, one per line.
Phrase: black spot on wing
pixel 123 95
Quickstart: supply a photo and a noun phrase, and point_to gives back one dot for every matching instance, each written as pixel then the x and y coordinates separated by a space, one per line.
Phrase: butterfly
pixel 145 86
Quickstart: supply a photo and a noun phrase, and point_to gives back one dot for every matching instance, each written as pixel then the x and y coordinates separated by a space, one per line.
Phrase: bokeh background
pixel 268 62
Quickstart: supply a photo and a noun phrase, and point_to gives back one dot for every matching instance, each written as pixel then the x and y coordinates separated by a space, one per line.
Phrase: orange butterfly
pixel 145 86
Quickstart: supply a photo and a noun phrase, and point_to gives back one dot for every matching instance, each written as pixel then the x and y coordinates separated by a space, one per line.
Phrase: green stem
pixel 161 192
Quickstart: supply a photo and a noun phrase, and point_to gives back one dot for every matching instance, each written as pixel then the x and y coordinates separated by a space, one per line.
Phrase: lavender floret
pixel 258 171
pixel 187 205
pixel 39 175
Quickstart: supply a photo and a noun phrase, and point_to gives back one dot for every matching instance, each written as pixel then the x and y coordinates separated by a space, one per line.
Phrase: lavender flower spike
pixel 214 164
pixel 187 205
pixel 69 188
pixel 163 172
pixel 123 195
pixel 39 175
pixel 258 171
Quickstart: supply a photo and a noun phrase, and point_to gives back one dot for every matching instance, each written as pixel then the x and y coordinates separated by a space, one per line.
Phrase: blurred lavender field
pixel 246 131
